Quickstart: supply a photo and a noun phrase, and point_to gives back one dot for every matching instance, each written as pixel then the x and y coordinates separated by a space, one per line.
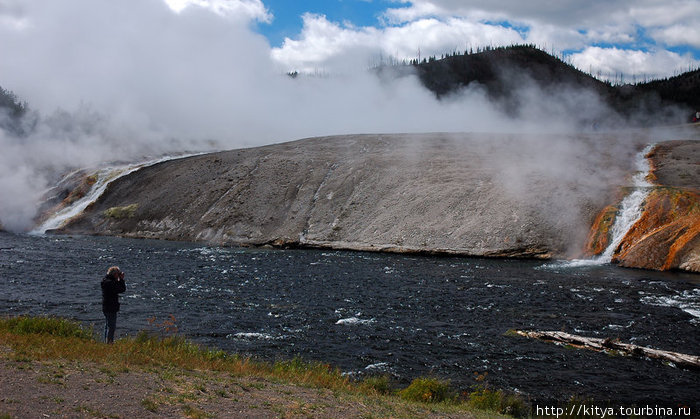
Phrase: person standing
pixel 112 285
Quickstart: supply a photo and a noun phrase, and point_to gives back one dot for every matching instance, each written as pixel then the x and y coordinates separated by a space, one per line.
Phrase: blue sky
pixel 642 38
pixel 648 38
pixel 287 21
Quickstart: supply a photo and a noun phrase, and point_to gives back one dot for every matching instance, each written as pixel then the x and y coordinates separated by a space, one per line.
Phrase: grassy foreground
pixel 173 376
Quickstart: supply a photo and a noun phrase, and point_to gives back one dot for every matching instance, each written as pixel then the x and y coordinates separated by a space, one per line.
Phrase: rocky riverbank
pixel 667 236
pixel 533 196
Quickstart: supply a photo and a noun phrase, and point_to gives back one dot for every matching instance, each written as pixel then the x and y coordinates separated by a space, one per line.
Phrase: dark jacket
pixel 111 288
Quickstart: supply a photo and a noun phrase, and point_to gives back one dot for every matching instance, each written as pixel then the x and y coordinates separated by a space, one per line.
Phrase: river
pixel 370 313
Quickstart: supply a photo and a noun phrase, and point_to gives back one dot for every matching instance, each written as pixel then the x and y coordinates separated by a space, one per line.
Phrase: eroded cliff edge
pixel 482 195
pixel 667 235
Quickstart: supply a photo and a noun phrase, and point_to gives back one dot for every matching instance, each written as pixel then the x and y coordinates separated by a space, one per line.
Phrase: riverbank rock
pixel 531 196
pixel 667 235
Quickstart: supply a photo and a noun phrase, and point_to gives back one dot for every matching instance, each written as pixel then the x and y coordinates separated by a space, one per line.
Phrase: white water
pixel 688 301
pixel 631 208
pixel 629 213
pixel 104 178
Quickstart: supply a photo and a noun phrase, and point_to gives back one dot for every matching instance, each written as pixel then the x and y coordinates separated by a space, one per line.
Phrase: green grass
pixel 194 413
pixel 483 398
pixel 428 390
pixel 150 405
pixel 378 384
pixel 49 338
pixel 119 213
pixel 52 326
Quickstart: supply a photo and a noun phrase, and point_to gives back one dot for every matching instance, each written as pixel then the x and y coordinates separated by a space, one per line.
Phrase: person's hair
pixel 114 271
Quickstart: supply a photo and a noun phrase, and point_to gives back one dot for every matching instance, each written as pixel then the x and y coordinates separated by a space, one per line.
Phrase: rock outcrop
pixel 483 195
pixel 667 235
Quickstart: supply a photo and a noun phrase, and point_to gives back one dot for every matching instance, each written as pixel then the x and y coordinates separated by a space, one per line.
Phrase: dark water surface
pixel 380 313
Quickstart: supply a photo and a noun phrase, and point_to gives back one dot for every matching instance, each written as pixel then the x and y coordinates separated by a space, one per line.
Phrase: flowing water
pixel 103 178
pixel 379 313
pixel 631 206
pixel 629 212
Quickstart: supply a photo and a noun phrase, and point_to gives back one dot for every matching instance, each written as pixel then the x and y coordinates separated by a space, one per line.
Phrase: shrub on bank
pixel 498 401
pixel 484 398
pixel 428 390
pixel 378 384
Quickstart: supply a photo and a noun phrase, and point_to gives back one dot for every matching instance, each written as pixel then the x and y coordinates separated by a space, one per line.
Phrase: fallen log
pixel 607 344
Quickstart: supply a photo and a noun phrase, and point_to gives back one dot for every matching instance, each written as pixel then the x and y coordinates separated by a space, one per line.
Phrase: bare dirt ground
pixel 74 389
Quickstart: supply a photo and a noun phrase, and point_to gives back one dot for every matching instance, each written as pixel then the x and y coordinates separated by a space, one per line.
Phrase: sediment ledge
pixel 529 253
pixel 524 196
pixel 529 196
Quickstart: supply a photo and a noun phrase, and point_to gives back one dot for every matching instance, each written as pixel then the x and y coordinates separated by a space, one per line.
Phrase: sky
pixel 641 39
pixel 637 38
pixel 127 80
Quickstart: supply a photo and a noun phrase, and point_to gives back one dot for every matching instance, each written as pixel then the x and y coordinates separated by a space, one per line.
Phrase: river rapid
pixel 370 313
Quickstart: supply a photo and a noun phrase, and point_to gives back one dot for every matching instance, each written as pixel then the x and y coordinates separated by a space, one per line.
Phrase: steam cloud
pixel 122 80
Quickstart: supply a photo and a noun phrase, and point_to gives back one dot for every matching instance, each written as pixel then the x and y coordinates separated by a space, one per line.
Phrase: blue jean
pixel 110 326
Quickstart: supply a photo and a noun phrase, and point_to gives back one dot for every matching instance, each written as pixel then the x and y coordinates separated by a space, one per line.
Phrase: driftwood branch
pixel 598 344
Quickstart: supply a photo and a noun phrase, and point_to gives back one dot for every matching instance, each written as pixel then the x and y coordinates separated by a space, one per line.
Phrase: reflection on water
pixel 374 313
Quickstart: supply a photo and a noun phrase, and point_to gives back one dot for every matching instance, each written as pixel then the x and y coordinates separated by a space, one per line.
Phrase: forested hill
pixel 501 70
pixel 504 72
pixel 12 110
pixel 684 88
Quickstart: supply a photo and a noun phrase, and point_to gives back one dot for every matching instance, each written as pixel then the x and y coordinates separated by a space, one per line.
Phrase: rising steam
pixel 130 79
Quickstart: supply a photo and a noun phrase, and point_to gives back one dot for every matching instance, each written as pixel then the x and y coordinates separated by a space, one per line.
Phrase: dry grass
pixel 48 339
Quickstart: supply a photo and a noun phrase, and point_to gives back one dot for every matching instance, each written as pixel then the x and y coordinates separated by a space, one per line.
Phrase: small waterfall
pixel 631 207
pixel 630 211
pixel 104 178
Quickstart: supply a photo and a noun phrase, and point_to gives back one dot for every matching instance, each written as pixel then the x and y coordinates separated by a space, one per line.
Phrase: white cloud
pixel 575 24
pixel 320 41
pixel 554 38
pixel 563 12
pixel 664 13
pixel 247 9
pixel 679 35
pixel 440 26
pixel 614 61
pixel 570 13
pixel 323 43
pixel 412 13
pixel 12 15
